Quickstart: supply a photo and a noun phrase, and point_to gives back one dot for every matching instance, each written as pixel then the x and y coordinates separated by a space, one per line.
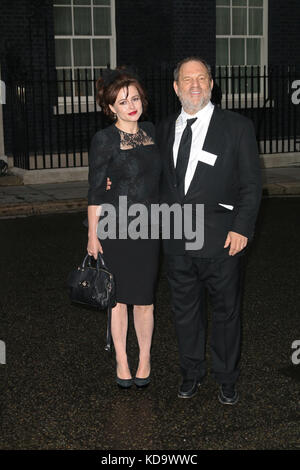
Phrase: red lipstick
pixel 133 113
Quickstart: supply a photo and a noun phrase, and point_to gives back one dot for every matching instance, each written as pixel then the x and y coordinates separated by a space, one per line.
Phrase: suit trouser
pixel 188 277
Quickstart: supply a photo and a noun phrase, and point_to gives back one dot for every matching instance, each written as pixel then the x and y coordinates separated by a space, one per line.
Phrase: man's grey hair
pixel 190 59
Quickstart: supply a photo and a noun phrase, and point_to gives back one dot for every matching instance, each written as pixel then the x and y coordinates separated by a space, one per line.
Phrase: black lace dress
pixel 132 162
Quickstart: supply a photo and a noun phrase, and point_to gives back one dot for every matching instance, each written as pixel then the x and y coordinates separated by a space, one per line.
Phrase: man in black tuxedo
pixel 210 157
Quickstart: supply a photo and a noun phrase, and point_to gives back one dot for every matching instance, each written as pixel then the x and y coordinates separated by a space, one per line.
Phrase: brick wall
pixel 284 32
pixel 194 26
pixel 144 31
pixel 26 29
pixel 25 40
pixel 153 31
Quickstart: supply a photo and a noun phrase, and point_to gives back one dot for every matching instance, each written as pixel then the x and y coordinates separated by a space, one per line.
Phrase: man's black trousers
pixel 188 278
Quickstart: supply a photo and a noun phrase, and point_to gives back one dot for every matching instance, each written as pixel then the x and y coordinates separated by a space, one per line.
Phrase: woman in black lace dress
pixel 125 152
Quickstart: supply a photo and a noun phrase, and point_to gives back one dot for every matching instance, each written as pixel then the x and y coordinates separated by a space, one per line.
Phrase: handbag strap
pixel 108 330
pixel 100 261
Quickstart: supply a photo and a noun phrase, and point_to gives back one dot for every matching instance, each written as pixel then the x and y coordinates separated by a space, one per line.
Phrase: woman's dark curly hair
pixel 109 85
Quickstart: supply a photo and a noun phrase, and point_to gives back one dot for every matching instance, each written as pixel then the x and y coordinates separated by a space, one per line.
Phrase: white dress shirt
pixel 199 131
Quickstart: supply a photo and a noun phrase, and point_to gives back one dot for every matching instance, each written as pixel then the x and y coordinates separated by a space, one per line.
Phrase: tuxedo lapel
pixel 213 141
pixel 213 144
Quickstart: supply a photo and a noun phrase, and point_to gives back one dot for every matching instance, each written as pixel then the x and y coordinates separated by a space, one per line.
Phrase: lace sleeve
pixel 99 156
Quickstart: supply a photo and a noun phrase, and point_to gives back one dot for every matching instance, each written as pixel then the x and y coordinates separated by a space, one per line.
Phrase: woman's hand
pixel 94 246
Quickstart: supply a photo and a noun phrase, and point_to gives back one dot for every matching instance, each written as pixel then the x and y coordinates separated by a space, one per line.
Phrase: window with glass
pixel 84 43
pixel 241 35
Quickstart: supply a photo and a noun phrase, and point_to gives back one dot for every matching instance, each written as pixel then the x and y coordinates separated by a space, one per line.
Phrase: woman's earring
pixel 115 115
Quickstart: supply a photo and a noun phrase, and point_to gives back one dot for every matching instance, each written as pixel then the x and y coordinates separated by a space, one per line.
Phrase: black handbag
pixel 92 284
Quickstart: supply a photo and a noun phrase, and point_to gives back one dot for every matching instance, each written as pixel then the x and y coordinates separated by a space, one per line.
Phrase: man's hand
pixel 236 241
pixel 108 184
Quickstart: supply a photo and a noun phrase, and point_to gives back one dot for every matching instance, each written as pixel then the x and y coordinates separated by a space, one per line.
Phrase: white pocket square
pixel 207 157
pixel 227 206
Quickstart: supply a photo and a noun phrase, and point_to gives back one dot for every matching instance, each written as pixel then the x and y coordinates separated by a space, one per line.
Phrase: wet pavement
pixel 58 391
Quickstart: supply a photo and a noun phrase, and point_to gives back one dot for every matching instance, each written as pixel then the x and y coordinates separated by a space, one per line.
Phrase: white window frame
pixel 233 98
pixel 67 104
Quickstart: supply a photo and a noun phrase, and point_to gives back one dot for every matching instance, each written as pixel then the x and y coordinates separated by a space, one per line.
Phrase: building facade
pixel 67 42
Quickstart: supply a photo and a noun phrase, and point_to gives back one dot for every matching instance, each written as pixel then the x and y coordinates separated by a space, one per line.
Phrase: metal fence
pixel 52 119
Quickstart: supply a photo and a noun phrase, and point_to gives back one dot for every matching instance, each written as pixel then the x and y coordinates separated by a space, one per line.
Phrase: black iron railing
pixel 52 119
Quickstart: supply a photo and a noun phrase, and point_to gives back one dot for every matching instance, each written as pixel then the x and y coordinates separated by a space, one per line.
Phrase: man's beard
pixel 192 108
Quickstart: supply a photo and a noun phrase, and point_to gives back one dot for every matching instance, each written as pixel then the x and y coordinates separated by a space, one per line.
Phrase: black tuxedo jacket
pixel 234 179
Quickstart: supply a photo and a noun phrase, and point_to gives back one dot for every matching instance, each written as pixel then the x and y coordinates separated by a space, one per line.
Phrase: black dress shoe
pixel 228 394
pixel 142 383
pixel 188 388
pixel 124 383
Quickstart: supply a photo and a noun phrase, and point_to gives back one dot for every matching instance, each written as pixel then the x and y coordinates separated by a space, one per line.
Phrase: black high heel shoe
pixel 142 383
pixel 124 383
